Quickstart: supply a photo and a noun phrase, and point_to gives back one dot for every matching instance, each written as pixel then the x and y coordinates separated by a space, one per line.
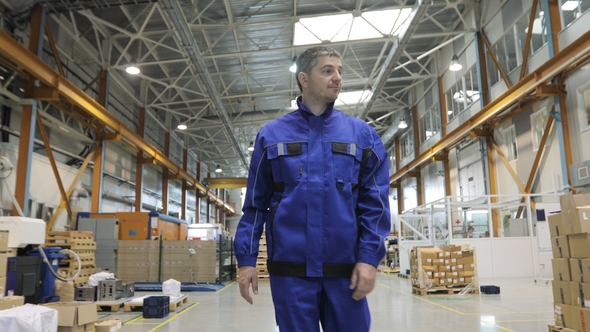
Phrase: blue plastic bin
pixel 156 306
pixel 47 279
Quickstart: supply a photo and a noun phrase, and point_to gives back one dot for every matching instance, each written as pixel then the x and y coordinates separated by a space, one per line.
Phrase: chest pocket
pixel 347 158
pixel 287 160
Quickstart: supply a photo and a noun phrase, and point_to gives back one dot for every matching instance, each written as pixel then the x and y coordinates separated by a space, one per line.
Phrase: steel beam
pixel 138 164
pixel 226 182
pixel 523 88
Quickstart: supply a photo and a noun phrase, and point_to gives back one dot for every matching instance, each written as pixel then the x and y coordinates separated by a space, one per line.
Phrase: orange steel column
pixel 99 152
pixel 138 163
pixel 197 196
pixel 415 123
pixel 183 186
pixel 165 174
pixel 28 124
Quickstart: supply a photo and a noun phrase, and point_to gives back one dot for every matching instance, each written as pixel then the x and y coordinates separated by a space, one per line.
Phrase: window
pixel 586 98
pixel 429 124
pixel 572 9
pixel 510 143
pixel 406 143
pixel 509 48
pixel 538 123
pixel 463 94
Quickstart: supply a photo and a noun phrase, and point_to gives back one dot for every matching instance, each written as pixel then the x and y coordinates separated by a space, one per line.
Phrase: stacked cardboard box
pixel 442 266
pixel 74 317
pixel 3 260
pixel 570 243
pixel 139 260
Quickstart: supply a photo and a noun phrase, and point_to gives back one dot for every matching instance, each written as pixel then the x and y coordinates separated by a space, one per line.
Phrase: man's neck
pixel 315 108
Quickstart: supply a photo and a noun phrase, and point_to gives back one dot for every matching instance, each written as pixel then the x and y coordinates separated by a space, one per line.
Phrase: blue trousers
pixel 302 304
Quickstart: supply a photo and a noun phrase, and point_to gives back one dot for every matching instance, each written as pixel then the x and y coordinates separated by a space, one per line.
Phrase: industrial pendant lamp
pixel 218 169
pixel 402 124
pixel 251 147
pixel 455 64
pixel 181 126
pixel 132 67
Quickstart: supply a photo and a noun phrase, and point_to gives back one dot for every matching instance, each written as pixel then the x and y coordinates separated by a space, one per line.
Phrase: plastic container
pixel 489 289
pixel 47 278
pixel 156 306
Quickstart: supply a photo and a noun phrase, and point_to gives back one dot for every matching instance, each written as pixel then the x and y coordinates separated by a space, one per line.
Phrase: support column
pixel 96 197
pixel 165 174
pixel 183 186
pixel 491 171
pixel 138 163
pixel 28 123
pixel 565 147
pixel 197 196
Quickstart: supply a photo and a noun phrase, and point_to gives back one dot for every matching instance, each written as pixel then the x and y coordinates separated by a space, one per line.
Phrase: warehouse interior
pixel 127 129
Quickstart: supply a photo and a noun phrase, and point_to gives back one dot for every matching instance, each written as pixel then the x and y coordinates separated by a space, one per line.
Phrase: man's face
pixel 325 82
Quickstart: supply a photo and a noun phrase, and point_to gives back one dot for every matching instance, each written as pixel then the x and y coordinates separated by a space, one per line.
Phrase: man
pixel 319 180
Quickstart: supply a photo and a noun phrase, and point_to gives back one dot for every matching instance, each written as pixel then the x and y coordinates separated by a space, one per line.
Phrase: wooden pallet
pixel 82 240
pixel 174 305
pixel 111 306
pixel 435 291
pixel 553 328
pixel 263 277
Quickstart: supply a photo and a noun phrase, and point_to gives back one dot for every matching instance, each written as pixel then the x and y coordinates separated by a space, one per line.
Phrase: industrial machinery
pixel 23 272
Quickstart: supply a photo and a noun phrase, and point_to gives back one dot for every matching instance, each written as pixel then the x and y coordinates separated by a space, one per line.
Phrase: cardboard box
pixel 579 245
pixel 3 263
pixel 74 316
pixel 9 302
pixel 109 325
pixel 560 247
pixel 444 268
pixel 570 216
pixel 438 262
pixel 561 269
pixel 450 248
pixel 579 316
pixel 561 292
pixel 3 284
pixel 579 269
pixel 555 225
pixel 456 254
pixel 580 294
pixel 463 274
pixel 563 315
pixel 442 281
pixel 3 240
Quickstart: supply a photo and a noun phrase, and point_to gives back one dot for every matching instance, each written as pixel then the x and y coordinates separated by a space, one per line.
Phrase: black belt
pixel 290 269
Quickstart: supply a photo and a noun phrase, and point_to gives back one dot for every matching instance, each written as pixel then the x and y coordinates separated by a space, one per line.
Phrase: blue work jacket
pixel 320 184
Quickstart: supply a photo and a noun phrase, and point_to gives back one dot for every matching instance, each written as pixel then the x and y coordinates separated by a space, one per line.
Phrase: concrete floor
pixel 523 305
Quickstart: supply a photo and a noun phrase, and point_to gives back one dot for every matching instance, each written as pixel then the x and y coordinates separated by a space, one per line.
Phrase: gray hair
pixel 309 58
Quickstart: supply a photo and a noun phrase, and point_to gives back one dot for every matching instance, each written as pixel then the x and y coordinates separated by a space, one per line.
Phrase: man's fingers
pixel 248 276
pixel 354 279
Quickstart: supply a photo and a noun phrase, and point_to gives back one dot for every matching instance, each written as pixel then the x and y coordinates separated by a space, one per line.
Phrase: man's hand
pixel 362 280
pixel 248 276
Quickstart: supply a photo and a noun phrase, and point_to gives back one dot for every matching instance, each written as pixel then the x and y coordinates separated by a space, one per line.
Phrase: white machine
pixel 23 231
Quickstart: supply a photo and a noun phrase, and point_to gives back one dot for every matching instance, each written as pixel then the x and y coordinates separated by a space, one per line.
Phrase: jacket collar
pixel 303 110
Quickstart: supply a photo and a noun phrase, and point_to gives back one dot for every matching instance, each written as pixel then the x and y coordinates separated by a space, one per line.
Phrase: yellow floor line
pixel 525 320
pixel 133 320
pixel 224 288
pixel 175 316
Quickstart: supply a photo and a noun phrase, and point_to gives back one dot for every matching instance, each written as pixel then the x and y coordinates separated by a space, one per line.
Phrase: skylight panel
pixel 342 27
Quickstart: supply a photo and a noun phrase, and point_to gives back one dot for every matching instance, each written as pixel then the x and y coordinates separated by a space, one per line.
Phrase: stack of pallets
pixel 261 269
pixel 80 242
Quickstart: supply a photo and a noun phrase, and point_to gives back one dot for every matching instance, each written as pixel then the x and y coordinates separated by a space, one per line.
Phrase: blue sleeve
pixel 373 205
pixel 255 208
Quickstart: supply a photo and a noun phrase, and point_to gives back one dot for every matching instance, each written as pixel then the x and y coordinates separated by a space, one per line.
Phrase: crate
pixel 489 289
pixel 156 306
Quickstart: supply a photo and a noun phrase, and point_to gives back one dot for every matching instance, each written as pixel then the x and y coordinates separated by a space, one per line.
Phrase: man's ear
pixel 302 77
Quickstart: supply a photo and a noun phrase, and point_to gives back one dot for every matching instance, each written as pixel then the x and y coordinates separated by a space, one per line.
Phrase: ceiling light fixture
pixel 132 67
pixel 218 169
pixel 455 64
pixel 293 67
pixel 402 124
pixel 251 147
pixel 181 126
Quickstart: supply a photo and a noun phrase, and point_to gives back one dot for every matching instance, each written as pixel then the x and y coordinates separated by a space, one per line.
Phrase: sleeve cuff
pixel 246 261
pixel 370 257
